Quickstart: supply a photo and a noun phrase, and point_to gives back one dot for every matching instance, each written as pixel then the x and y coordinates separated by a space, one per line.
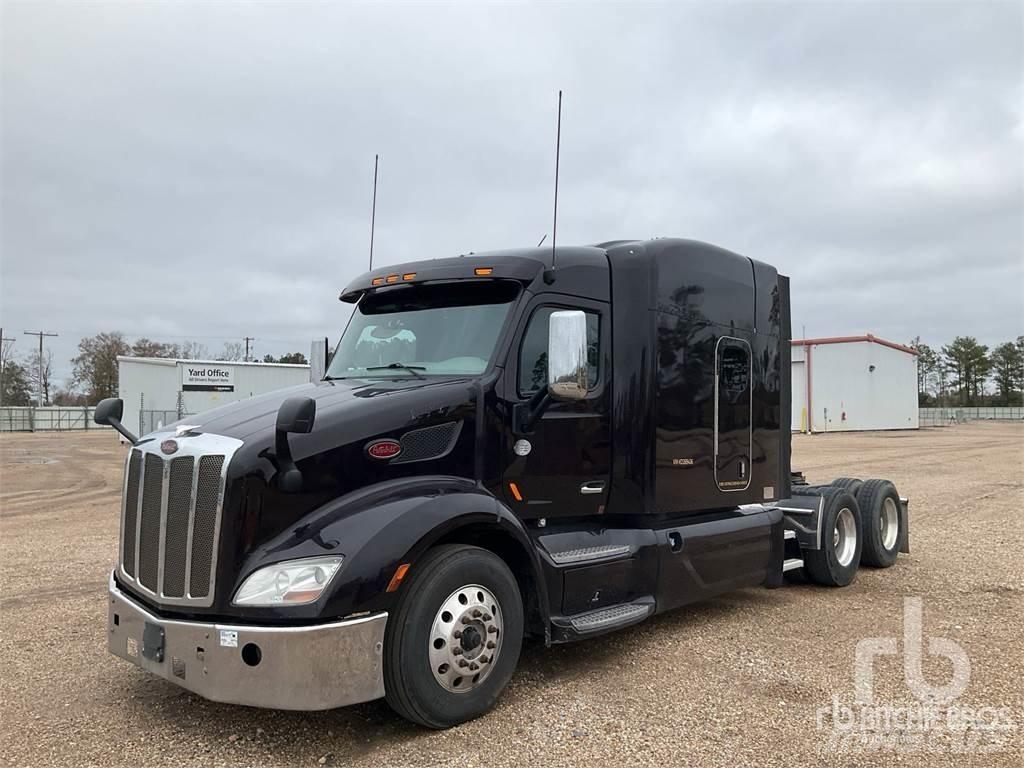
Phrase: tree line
pixel 94 368
pixel 967 373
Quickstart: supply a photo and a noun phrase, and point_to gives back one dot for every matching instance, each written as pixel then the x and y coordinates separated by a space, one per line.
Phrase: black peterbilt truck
pixel 545 443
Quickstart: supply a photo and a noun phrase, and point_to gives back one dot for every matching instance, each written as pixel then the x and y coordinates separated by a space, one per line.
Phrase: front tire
pixel 454 640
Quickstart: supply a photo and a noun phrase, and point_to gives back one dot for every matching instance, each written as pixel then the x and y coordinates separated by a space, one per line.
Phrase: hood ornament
pixel 184 429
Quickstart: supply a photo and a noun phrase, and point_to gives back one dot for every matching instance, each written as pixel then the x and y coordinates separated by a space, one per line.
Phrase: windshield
pixel 424 330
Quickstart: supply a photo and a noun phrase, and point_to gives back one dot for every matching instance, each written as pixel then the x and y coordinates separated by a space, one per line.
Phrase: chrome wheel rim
pixel 465 638
pixel 844 537
pixel 889 523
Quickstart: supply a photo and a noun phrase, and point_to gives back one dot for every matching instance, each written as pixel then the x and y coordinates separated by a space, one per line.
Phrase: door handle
pixel 592 486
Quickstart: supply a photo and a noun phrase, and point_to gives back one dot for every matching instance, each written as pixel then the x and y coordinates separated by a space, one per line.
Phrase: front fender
pixel 377 528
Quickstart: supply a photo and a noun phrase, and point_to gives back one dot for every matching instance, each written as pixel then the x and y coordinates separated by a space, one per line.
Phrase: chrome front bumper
pixel 304 668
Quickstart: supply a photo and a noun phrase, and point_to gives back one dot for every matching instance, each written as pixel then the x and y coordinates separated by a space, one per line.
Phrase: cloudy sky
pixel 204 170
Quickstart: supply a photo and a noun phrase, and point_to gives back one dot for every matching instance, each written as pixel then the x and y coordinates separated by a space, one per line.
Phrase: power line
pixel 247 340
pixel 40 334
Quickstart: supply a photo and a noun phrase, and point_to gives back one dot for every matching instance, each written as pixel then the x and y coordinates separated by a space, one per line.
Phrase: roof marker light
pixel 483 271
pixel 377 281
pixel 392 278
pixel 409 276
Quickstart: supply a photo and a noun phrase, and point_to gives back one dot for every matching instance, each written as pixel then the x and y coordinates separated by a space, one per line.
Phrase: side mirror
pixel 296 414
pixel 567 355
pixel 110 409
pixel 109 412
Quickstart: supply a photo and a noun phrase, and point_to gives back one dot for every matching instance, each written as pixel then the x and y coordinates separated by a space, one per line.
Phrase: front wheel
pixel 453 642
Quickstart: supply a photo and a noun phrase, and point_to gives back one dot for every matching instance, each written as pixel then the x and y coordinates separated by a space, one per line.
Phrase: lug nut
pixel 474 666
pixel 491 630
pixel 456 651
pixel 486 617
pixel 457 634
pixel 485 659
pixel 463 663
pixel 477 613
pixel 466 620
pixel 491 644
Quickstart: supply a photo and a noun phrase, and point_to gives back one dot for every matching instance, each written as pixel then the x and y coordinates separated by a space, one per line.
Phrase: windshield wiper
pixel 399 367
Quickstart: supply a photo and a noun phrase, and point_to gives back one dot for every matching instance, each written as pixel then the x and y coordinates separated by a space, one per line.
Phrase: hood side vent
pixel 428 443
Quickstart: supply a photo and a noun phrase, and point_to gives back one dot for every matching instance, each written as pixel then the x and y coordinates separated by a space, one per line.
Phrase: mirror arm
pixel 289 477
pixel 116 424
pixel 527 414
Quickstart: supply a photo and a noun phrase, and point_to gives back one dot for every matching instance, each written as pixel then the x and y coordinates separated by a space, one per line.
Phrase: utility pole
pixel 40 334
pixel 247 340
pixel 3 362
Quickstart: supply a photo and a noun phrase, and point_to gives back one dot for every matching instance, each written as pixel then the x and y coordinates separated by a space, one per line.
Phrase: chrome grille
pixel 171 517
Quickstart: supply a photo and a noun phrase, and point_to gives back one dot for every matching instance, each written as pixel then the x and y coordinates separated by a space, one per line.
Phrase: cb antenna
pixel 373 210
pixel 549 274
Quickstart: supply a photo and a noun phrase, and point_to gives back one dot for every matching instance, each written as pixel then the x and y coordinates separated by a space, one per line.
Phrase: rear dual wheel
pixel 880 505
pixel 453 642
pixel 835 562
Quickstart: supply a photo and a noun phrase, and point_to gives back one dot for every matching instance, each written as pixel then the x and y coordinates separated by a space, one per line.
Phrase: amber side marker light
pixel 483 271
pixel 377 281
pixel 409 276
pixel 392 278
pixel 515 491
pixel 396 580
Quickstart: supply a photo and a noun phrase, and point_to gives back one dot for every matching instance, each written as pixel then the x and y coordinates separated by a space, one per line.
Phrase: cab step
pixel 614 616
pixel 588 554
pixel 791 564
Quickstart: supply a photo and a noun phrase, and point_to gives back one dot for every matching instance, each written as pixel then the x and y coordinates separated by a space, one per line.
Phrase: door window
pixel 533 354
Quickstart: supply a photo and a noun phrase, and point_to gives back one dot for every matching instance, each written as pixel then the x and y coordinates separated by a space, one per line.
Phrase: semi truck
pixel 522 444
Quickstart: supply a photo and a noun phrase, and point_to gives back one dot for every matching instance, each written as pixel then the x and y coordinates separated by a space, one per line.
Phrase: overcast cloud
pixel 204 171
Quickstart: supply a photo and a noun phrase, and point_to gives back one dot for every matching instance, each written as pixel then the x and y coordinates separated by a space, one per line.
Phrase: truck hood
pixel 335 400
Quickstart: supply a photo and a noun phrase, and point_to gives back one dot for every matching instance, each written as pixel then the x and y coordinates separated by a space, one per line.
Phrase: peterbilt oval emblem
pixel 169 446
pixel 383 449
pixel 522 447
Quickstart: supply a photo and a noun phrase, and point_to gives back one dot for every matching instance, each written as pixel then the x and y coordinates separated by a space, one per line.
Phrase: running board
pixel 608 618
pixel 587 554
pixel 791 564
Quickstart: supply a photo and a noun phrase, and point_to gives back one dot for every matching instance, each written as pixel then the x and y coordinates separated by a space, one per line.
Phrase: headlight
pixel 292 582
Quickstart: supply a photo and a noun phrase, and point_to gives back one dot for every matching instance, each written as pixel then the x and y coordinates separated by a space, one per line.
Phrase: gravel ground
pixel 736 681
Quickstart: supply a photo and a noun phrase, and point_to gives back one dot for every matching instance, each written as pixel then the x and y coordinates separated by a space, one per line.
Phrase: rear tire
pixel 835 563
pixel 455 588
pixel 851 484
pixel 880 507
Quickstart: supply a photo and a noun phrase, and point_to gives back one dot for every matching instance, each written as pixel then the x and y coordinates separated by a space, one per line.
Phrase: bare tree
pixel 193 350
pixel 35 370
pixel 232 351
pixel 144 347
pixel 95 365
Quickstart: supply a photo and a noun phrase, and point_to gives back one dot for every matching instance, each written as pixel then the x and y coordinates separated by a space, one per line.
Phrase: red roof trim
pixel 849 339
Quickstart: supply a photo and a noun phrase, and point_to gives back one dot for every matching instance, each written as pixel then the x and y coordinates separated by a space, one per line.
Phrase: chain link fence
pixel 941 417
pixel 53 418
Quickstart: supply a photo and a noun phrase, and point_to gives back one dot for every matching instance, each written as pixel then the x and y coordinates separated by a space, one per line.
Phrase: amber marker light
pixel 396 580
pixel 409 276
pixel 515 491
pixel 377 281
pixel 483 271
pixel 392 278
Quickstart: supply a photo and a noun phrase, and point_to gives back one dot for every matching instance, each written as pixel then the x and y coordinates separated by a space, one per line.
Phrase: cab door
pixel 560 468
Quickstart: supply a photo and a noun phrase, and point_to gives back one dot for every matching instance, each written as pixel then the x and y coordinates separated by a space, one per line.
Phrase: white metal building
pixel 853 383
pixel 158 391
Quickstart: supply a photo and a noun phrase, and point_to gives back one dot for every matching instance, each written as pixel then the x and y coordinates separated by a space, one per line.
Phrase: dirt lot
pixel 737 681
